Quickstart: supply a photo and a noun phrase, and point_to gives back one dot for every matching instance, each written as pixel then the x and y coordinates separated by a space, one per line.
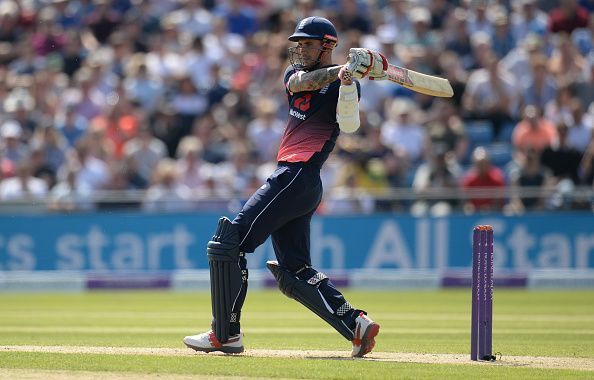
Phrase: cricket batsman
pixel 324 100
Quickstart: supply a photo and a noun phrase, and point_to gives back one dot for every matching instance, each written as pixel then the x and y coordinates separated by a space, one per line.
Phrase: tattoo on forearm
pixel 313 80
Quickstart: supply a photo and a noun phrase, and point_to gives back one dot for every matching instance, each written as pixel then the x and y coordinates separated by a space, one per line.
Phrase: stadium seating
pixel 500 153
pixel 479 133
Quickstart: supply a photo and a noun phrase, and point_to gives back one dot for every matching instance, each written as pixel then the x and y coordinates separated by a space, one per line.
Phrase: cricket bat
pixel 423 83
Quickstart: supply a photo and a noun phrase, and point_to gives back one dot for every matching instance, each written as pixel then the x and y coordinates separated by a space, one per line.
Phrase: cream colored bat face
pixel 419 82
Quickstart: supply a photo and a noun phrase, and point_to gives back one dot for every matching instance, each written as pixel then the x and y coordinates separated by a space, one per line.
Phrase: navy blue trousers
pixel 282 208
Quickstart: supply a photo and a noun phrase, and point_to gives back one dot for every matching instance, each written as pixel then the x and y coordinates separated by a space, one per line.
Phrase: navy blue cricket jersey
pixel 312 129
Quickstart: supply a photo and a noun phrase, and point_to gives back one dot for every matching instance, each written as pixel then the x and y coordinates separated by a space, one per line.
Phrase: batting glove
pixel 378 67
pixel 359 63
pixel 366 62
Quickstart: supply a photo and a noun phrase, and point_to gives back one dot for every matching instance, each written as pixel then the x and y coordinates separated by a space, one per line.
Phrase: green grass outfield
pixel 557 325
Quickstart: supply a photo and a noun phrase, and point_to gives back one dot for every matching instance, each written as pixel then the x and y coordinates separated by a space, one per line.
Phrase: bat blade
pixel 423 83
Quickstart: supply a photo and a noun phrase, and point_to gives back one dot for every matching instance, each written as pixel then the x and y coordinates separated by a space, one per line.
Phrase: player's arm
pixel 361 62
pixel 313 80
pixel 347 108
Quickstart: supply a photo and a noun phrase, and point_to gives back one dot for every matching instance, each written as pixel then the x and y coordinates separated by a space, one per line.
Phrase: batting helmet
pixel 316 28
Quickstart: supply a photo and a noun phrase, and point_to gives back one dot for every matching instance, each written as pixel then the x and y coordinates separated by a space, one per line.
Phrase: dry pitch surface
pixel 585 364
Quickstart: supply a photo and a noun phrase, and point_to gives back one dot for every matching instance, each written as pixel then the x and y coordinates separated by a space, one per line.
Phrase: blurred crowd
pixel 179 104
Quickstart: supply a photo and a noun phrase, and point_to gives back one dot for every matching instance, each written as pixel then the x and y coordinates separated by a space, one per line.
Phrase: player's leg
pixel 288 193
pixel 298 280
pixel 269 207
pixel 228 284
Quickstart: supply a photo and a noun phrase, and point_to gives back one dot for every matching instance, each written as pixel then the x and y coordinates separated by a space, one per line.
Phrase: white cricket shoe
pixel 365 332
pixel 208 342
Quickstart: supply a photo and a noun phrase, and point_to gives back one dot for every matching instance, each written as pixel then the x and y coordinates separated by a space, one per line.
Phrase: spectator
pixel 558 110
pixel 527 19
pixel 397 17
pixel 566 64
pixel 533 131
pixel 19 104
pixel 119 125
pixel 482 49
pixel 192 170
pixel 239 18
pixel 441 173
pixel 51 144
pixel 265 131
pixel 222 47
pixel 218 86
pixel 440 10
pixel 373 145
pixel 40 168
pixel 518 62
pixel 538 88
pixel 491 94
pixel 402 132
pixel 23 186
pixel 199 65
pixel 69 14
pixel 103 21
pixel 457 39
pixel 352 17
pixel 100 145
pixel 567 17
pixel 9 17
pixel 48 36
pixel 71 125
pixel 478 20
pixel 163 124
pixel 446 129
pixel 452 70
pixel 349 198
pixel 485 178
pixel 120 49
pixel 47 90
pixel 87 97
pixel 420 42
pixel 163 61
pixel 585 84
pixel 533 177
pixel 145 151
pixel 73 56
pixel 70 195
pixel 194 18
pixel 580 133
pixel 93 173
pixel 503 40
pixel 166 193
pixel 208 131
pixel 104 80
pixel 12 149
pixel 188 102
pixel 236 174
pixel 132 173
pixel 562 159
pixel 120 182
pixel 27 61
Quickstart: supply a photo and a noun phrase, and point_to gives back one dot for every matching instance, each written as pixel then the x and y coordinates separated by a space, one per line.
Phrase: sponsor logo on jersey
pixel 296 114
pixel 324 89
pixel 302 103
